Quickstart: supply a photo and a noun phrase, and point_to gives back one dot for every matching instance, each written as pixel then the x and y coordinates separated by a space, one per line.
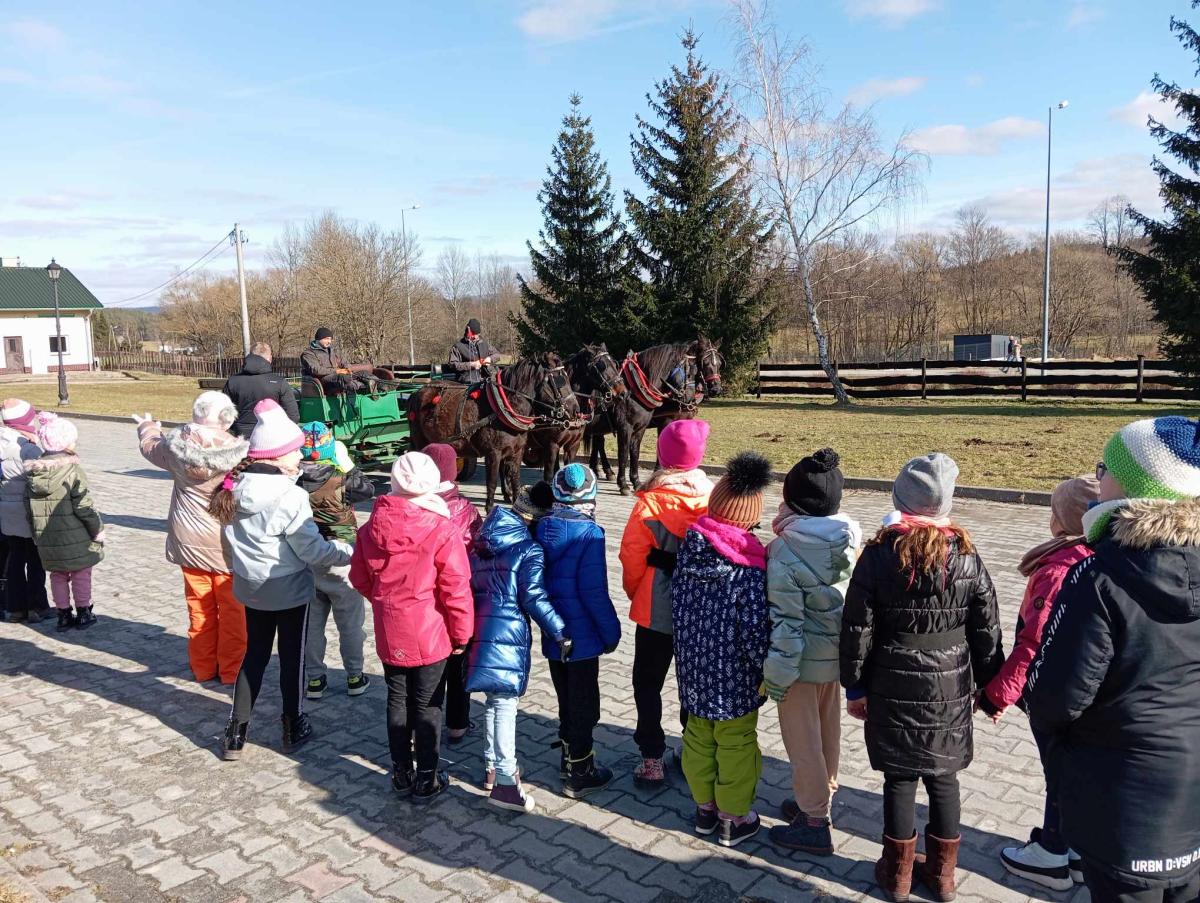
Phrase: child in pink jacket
pixel 1046 858
pixel 411 563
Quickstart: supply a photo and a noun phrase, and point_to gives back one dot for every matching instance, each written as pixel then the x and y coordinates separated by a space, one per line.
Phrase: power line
pixel 208 255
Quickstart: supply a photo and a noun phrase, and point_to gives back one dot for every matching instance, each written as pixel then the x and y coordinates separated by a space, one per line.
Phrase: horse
pixel 531 393
pixel 596 380
pixel 657 381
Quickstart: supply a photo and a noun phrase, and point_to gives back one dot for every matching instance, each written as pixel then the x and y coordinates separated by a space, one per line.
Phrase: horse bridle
pixel 597 372
pixel 710 354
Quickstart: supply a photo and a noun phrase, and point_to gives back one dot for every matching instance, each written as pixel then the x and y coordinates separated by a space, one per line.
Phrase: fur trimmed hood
pixel 690 483
pixel 203 451
pixel 1147 523
pixel 51 461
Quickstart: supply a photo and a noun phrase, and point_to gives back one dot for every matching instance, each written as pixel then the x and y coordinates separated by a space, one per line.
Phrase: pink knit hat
pixel 274 435
pixel 681 444
pixel 18 414
pixel 57 435
pixel 446 459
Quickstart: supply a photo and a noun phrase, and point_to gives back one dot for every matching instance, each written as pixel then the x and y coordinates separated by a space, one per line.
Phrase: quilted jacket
pixel 577 580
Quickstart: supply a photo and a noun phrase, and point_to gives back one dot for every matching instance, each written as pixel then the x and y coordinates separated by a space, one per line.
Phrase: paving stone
pixel 319 880
pixel 170 873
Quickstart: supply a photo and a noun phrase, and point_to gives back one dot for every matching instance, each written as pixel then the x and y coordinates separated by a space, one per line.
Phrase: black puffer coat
pixel 256 382
pixel 913 643
pixel 1116 685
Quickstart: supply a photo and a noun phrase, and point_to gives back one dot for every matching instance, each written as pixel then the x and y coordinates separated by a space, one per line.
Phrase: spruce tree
pixel 582 288
pixel 1168 269
pixel 698 235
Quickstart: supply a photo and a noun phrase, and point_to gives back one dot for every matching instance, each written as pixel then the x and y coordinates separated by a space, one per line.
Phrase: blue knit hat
pixel 574 484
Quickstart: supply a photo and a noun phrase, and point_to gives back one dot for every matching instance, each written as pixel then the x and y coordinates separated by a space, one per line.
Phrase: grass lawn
pixel 996 443
pixel 1033 445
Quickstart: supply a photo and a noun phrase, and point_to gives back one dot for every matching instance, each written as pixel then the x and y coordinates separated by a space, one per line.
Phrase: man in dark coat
pixel 1115 681
pixel 470 354
pixel 255 382
pixel 321 361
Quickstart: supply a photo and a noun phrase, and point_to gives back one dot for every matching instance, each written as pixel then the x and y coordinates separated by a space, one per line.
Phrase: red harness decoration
pixel 503 409
pixel 639 385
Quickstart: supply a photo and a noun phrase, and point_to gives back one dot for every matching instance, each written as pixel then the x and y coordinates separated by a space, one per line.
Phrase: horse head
pixel 708 365
pixel 554 387
pixel 603 374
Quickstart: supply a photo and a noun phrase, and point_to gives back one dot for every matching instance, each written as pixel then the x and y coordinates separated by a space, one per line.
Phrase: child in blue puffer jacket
pixel 507 582
pixel 577 580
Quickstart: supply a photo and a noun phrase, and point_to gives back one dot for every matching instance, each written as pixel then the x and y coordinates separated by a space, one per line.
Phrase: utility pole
pixel 1046 278
pixel 238 240
pixel 412 348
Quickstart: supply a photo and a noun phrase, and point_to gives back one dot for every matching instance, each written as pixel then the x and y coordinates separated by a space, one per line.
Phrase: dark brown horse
pixel 596 380
pixel 538 394
pixel 669 382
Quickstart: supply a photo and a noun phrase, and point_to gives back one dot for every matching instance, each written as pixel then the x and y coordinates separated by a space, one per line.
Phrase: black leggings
pixel 261 626
pixel 900 806
pixel 458 700
pixel 414 713
pixel 652 655
pixel 577 685
pixel 26 586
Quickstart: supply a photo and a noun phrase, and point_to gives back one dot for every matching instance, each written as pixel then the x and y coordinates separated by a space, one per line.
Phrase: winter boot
pixel 564 759
pixel 403 778
pixel 234 740
pixel 586 777
pixel 297 730
pixel 84 617
pixel 651 773
pixel 937 871
pixel 808 834
pixel 428 785
pixel 66 619
pixel 894 870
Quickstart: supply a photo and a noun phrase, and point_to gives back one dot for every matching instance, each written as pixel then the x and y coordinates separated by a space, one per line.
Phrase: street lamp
pixel 53 270
pixel 412 352
pixel 1062 105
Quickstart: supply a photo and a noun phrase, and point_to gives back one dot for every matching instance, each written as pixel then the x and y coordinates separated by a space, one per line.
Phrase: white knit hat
pixel 274 435
pixel 57 435
pixel 214 409
pixel 18 413
pixel 415 476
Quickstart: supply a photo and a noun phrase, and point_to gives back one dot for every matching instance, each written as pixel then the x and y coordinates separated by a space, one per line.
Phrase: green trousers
pixel 722 762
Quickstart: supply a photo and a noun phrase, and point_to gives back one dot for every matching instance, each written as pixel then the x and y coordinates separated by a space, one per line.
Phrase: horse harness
pixel 645 394
pixel 504 414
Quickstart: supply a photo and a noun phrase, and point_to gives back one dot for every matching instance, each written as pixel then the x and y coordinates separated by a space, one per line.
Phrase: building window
pixel 54 340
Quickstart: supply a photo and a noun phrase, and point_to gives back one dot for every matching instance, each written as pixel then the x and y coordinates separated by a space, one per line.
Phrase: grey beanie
pixel 925 486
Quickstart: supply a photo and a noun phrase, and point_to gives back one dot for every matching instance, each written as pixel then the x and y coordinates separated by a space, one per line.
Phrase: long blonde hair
pixel 922 548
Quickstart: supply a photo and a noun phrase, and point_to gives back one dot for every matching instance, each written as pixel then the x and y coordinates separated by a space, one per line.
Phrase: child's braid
pixel 223 507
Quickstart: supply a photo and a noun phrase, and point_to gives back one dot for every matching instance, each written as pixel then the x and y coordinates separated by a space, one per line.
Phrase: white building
pixel 28 339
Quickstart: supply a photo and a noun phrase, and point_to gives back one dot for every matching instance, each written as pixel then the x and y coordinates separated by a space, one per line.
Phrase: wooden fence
pixel 1134 379
pixel 213 367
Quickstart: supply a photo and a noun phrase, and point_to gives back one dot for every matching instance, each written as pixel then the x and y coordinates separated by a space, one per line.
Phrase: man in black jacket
pixel 1116 683
pixel 470 354
pixel 255 382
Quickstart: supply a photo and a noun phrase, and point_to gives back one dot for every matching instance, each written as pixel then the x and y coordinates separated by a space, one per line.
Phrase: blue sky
pixel 136 134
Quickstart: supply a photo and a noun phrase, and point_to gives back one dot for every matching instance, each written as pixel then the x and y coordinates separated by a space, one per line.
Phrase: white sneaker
pixel 1033 863
pixel 1075 864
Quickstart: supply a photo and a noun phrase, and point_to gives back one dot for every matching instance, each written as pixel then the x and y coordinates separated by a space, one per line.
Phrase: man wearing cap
pixel 1114 683
pixel 321 361
pixel 470 354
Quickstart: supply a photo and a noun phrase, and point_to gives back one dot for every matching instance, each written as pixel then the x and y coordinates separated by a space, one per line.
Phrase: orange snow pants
pixel 217 626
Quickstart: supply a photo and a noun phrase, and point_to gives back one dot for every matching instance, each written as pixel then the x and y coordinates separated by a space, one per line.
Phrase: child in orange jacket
pixel 675 498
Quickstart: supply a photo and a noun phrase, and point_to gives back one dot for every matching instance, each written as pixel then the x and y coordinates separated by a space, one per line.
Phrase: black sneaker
pixel 732 835
pixel 706 821
pixel 403 780
pixel 586 777
pixel 234 740
pixel 790 810
pixel 297 731
pixel 84 617
pixel 356 684
pixel 66 619
pixel 36 615
pixel 316 687
pixel 428 785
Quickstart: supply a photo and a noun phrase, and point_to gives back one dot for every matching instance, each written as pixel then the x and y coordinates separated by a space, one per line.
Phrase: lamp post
pixel 1062 105
pixel 53 270
pixel 412 348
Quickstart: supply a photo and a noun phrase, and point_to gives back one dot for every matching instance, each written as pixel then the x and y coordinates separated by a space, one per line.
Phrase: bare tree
pixel 821 170
pixel 454 281
pixel 1109 221
pixel 973 251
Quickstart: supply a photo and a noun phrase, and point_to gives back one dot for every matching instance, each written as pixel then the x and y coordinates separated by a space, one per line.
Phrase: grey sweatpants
pixel 334 593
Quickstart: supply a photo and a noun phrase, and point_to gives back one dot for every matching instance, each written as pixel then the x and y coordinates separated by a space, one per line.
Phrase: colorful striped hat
pixel 573 484
pixel 1156 459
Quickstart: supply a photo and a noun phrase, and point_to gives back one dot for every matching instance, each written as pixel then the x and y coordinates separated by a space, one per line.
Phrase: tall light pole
pixel 412 348
pixel 239 238
pixel 53 270
pixel 1062 105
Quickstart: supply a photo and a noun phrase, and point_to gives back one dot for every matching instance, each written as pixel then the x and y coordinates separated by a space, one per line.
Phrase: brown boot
pixel 894 870
pixel 937 871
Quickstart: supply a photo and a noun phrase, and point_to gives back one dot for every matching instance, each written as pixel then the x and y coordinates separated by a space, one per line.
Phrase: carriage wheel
pixel 466 468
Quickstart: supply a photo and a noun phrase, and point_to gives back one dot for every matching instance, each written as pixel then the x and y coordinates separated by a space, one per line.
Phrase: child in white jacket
pixel 272 545
pixel 808 570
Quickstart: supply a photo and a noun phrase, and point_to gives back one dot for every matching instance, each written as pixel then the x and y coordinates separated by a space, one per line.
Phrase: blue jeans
pixel 500 745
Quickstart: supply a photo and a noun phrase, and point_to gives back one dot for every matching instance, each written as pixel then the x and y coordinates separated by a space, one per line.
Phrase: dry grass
pixel 1008 444
pixel 166 397
pixel 9 894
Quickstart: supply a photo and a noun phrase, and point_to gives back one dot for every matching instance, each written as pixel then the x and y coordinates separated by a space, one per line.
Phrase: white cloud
pixel 892 13
pixel 961 140
pixel 559 21
pixel 1076 192
pixel 1146 104
pixel 1083 13
pixel 35 35
pixel 878 88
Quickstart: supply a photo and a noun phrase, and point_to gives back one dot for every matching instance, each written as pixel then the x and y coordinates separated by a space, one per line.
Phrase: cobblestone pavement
pixel 111 789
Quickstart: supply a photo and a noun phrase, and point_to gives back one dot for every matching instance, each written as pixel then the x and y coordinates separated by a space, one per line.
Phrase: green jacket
pixel 65 522
pixel 808 570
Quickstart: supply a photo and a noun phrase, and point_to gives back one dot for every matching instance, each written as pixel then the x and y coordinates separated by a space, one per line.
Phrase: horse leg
pixel 608 471
pixel 635 453
pixel 622 458
pixel 493 477
pixel 551 461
